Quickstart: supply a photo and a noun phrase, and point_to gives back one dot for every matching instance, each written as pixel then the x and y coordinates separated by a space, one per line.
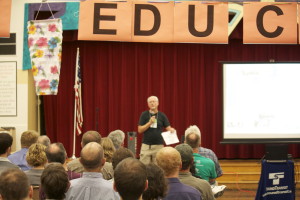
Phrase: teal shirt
pixel 205 167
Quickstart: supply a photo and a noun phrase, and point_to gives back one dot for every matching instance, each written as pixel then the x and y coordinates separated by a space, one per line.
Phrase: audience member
pixel 89 136
pixel 44 139
pixel 205 167
pixel 36 158
pixel 54 181
pixel 91 185
pixel 205 152
pixel 185 176
pixel 6 141
pixel 169 160
pixel 120 155
pixel 130 179
pixel 108 148
pixel 56 152
pixel 14 185
pixel 117 137
pixel 157 184
pixel 19 158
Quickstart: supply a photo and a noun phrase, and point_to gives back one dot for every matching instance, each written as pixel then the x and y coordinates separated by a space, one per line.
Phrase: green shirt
pixel 205 167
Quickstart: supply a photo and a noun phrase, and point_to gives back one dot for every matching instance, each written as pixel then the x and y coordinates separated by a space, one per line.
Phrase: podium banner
pixel 276 181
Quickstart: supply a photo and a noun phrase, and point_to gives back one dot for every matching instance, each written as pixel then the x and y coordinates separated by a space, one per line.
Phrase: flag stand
pixel 76 87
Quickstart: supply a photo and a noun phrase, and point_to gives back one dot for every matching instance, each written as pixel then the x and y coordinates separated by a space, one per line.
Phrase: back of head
pixel 186 153
pixel 54 181
pixel 169 160
pixel 14 185
pixel 28 138
pixel 108 148
pixel 193 140
pixel 117 137
pixel 56 152
pixel 92 156
pixel 130 178
pixel 192 129
pixel 90 136
pixel 6 141
pixel 157 184
pixel 36 155
pixel 120 155
pixel 44 139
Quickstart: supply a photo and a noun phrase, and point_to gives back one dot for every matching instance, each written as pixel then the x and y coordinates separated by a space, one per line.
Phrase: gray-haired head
pixel 155 98
pixel 44 139
pixel 117 137
pixel 192 129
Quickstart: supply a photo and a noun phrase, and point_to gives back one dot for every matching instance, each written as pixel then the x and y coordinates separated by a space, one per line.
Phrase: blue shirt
pixel 91 186
pixel 180 191
pixel 19 158
pixel 211 155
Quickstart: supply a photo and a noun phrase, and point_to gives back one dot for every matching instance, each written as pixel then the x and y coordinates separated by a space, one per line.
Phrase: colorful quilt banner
pixel 45 46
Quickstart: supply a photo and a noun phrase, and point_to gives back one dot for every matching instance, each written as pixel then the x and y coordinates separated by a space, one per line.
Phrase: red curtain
pixel 119 76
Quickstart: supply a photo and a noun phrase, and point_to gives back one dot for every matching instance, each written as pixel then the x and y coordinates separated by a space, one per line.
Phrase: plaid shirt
pixel 211 155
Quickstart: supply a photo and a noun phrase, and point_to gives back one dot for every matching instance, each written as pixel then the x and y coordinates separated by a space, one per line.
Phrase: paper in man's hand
pixel 170 138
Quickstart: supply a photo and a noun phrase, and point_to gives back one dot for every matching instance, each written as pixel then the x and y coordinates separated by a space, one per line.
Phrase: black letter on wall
pixel 137 20
pixel 210 21
pixel 260 25
pixel 98 18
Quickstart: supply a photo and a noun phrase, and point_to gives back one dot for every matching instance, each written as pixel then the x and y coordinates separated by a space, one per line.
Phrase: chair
pixel 36 193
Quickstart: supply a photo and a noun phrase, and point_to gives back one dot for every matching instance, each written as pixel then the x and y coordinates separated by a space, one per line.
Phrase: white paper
pixel 170 138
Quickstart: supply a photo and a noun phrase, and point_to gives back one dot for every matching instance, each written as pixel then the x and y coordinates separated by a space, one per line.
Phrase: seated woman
pixel 108 148
pixel 36 158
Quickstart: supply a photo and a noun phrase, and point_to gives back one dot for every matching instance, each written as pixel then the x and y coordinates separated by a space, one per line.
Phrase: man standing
pixel 151 123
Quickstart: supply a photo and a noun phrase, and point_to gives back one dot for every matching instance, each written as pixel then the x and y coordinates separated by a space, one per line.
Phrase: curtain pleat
pixel 117 78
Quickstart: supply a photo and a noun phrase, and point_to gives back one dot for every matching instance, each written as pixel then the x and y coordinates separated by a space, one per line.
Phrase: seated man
pixel 44 139
pixel 185 176
pixel 14 185
pixel 205 152
pixel 205 167
pixel 54 181
pixel 130 179
pixel 6 141
pixel 19 158
pixel 91 185
pixel 169 160
pixel 56 152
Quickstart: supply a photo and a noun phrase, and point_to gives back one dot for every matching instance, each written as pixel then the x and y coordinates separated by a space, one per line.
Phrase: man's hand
pixel 152 120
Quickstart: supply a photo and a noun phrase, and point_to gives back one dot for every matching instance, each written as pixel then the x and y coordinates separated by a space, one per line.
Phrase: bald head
pixel 92 156
pixel 56 152
pixel 193 140
pixel 169 160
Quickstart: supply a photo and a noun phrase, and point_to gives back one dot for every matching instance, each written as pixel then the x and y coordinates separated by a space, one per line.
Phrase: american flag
pixel 78 100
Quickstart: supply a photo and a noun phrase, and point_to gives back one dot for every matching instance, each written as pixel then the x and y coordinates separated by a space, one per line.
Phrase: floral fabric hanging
pixel 45 46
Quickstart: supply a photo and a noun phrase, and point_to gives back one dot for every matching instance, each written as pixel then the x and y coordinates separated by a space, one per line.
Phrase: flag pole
pixel 75 85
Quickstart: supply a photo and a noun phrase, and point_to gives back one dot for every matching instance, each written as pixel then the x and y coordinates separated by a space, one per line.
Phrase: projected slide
pixel 261 100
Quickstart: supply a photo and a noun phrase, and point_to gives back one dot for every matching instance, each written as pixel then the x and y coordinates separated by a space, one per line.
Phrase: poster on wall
pixel 8 88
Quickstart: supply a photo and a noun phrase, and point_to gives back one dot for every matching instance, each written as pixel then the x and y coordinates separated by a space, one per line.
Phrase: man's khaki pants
pixel 148 153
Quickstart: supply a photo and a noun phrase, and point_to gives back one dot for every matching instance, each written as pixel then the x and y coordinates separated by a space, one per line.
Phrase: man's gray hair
pixel 152 97
pixel 44 139
pixel 117 137
pixel 192 129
